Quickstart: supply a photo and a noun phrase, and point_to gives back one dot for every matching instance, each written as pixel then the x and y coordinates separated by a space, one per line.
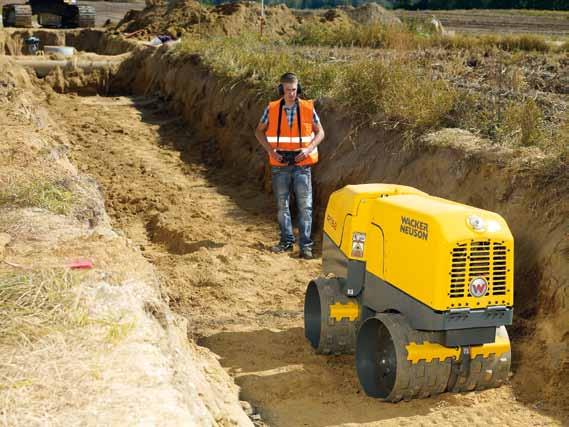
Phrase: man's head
pixel 290 87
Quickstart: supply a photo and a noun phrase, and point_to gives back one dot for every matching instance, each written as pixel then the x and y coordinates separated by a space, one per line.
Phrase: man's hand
pixel 304 153
pixel 276 156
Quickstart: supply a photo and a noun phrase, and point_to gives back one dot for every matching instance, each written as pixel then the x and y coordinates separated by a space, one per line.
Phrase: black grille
pixel 478 258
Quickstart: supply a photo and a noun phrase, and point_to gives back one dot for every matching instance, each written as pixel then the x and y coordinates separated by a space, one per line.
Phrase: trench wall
pixel 531 192
pixel 88 40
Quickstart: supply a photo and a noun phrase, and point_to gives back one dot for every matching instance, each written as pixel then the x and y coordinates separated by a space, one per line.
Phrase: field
pixel 497 21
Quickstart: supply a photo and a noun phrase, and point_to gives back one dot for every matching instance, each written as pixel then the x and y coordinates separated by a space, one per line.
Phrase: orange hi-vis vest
pixel 291 138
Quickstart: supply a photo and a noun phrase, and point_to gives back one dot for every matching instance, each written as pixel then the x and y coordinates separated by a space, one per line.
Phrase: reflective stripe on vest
pixel 289 138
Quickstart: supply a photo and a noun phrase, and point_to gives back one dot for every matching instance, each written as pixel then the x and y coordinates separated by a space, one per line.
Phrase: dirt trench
pixel 207 231
pixel 196 203
pixel 201 215
pixel 527 188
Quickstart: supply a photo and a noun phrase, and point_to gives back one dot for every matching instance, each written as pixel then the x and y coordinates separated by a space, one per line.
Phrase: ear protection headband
pixel 287 76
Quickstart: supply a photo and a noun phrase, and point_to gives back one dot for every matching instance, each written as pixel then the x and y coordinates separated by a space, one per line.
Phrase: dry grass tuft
pixel 356 35
pixel 562 139
pixel 396 91
pixel 37 303
pixel 522 123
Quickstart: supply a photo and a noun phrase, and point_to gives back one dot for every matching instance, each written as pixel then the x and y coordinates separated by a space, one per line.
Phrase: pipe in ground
pixel 42 67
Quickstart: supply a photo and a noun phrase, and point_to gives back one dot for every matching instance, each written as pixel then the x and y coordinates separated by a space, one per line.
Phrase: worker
pixel 290 131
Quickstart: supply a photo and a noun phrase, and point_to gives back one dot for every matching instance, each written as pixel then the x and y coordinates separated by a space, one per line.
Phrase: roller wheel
pixel 79 16
pixel 327 334
pixel 489 372
pixel 382 366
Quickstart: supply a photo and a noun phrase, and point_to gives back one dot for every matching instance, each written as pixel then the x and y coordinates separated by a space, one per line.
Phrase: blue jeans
pixel 299 179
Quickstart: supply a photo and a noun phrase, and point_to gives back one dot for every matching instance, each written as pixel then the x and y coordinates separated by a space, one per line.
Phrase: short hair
pixel 289 78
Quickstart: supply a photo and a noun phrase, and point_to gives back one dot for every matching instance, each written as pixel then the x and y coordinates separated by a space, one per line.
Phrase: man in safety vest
pixel 290 131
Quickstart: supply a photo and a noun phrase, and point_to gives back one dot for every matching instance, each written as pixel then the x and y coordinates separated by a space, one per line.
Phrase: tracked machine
pixel 51 13
pixel 419 287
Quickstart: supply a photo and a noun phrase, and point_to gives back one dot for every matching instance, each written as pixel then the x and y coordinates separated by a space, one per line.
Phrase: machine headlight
pixel 476 223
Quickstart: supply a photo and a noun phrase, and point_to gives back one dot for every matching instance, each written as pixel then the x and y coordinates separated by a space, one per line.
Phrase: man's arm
pixel 262 138
pixel 318 137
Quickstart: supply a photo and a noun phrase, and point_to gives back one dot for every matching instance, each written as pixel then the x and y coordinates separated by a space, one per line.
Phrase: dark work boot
pixel 282 247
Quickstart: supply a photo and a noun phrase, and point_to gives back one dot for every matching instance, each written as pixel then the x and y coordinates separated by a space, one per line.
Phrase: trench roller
pixel 418 287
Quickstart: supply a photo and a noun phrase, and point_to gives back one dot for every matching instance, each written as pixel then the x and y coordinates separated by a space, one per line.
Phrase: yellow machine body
pixel 424 245
pixel 420 287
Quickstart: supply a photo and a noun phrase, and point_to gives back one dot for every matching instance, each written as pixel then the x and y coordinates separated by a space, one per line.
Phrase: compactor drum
pixel 51 13
pixel 419 287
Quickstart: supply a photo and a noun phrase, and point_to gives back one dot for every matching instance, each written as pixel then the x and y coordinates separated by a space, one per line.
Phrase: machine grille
pixel 478 258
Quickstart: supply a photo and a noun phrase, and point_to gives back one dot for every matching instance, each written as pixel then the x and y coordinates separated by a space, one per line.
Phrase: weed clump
pixel 41 194
pixel 396 93
pixel 522 123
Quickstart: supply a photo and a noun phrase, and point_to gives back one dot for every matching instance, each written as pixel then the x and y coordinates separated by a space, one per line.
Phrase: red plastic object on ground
pixel 81 264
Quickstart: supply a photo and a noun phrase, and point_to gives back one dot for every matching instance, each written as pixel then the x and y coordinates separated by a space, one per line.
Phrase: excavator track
pixel 86 16
pixel 383 347
pixel 17 15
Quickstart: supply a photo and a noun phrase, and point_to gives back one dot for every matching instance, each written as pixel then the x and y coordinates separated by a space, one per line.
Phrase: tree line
pixel 481 4
pixel 422 4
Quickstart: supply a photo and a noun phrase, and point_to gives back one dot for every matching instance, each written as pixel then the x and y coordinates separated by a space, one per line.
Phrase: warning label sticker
pixel 358 244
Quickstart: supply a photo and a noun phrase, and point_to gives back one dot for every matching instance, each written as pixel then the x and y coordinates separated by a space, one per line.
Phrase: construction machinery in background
pixel 419 287
pixel 50 13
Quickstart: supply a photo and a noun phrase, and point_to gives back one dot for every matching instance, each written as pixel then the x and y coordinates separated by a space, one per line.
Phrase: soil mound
pixel 371 14
pixel 189 16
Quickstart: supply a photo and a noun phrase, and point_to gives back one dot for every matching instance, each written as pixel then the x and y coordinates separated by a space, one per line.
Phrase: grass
pixel 391 91
pixel 522 123
pixel 393 88
pixel 395 93
pixel 416 33
pixel 37 303
pixel 39 193
pixel 117 331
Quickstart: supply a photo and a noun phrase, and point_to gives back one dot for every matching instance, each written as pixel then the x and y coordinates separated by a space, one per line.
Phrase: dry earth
pixel 207 230
pixel 97 346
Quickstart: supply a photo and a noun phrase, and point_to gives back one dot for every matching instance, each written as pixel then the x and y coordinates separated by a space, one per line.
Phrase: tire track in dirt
pixel 207 231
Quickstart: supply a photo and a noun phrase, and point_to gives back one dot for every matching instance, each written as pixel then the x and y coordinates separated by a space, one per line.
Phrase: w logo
pixel 478 287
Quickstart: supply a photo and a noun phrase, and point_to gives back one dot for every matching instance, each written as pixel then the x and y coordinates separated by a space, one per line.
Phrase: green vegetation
pixel 522 123
pixel 40 193
pixel 118 331
pixel 480 4
pixel 422 4
pixel 36 303
pixel 414 34
pixel 392 88
pixel 394 92
pixel 390 91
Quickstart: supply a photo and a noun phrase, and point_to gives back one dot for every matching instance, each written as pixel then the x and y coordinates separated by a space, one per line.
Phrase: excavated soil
pixel 207 230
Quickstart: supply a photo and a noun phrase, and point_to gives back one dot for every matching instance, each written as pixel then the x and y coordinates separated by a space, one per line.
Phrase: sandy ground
pixel 208 231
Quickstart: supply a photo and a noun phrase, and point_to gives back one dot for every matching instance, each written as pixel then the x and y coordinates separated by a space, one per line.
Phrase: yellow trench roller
pixel 419 287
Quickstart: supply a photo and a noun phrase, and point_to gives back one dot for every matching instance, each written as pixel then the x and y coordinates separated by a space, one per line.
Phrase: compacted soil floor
pixel 208 232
